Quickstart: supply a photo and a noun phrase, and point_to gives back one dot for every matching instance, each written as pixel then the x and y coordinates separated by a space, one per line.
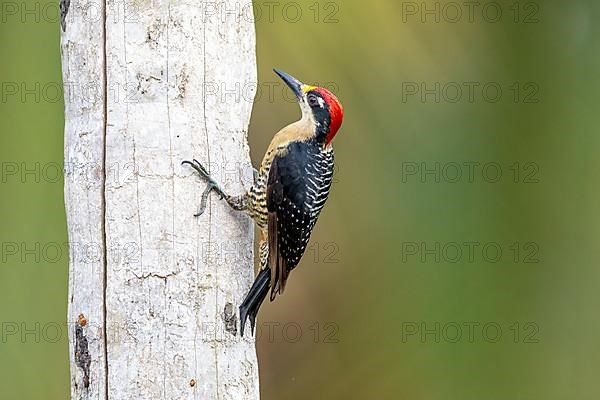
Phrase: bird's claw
pixel 212 184
pixel 198 167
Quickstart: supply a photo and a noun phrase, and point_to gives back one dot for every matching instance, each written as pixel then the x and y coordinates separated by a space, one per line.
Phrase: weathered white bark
pixel 153 291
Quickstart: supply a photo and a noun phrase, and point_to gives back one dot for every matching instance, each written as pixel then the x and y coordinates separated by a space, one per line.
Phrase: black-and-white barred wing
pixel 298 187
pixel 319 174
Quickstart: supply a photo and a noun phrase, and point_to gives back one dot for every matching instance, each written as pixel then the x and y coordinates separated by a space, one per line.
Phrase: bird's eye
pixel 313 101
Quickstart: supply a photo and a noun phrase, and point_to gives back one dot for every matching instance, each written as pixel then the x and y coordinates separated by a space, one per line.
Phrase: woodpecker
pixel 289 191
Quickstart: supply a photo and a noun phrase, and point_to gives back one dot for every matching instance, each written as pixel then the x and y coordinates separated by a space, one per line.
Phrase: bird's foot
pixel 212 184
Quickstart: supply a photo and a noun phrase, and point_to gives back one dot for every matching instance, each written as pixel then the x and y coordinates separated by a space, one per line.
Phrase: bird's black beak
pixel 292 82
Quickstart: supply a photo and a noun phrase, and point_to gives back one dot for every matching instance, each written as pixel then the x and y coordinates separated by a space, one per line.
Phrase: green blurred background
pixel 378 303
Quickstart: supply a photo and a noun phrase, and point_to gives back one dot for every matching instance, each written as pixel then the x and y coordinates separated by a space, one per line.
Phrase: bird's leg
pixel 238 203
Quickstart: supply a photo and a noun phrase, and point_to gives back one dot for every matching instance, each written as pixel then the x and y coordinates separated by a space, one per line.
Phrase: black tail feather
pixel 256 295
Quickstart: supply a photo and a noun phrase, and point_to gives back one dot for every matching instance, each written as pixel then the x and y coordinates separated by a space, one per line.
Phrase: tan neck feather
pixel 298 131
pixel 301 130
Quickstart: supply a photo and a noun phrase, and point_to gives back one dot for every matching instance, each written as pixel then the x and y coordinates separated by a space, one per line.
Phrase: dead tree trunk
pixel 153 291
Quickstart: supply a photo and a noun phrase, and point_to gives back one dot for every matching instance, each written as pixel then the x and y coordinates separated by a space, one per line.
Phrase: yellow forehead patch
pixel 307 88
